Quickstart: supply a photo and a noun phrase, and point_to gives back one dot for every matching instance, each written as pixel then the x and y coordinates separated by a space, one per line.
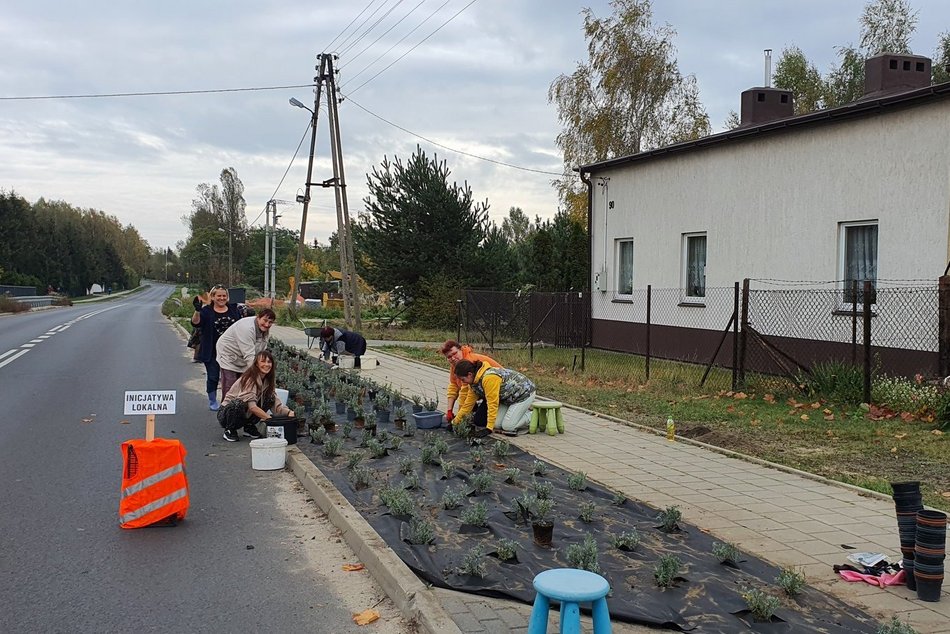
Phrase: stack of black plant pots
pixel 907 502
pixel 930 551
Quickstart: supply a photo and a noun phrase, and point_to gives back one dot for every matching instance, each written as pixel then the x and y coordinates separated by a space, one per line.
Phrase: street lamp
pixel 230 268
pixel 306 197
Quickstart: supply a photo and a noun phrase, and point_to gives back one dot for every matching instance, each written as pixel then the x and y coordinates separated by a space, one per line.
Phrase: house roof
pixel 854 110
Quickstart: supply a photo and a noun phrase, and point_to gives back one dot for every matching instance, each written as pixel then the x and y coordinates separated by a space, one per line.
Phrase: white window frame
pixel 684 263
pixel 843 227
pixel 618 248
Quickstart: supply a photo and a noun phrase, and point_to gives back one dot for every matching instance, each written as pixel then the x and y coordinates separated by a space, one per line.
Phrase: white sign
pixel 152 402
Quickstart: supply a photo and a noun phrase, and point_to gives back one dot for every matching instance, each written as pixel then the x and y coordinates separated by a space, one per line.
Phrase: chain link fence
pixel 726 338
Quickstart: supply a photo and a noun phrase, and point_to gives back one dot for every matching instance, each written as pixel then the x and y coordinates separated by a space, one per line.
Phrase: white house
pixel 858 192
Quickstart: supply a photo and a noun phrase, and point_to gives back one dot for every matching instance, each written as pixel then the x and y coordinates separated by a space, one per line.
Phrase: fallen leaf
pixel 946 494
pixel 754 422
pixel 768 398
pixel 805 417
pixel 87 420
pixel 365 617
pixel 740 396
pixel 731 408
pixel 352 567
pixel 893 449
pixel 500 465
pixel 826 411
pixel 123 422
pixel 900 436
pixel 829 433
pixel 907 417
pixel 937 432
pixel 815 405
pixel 728 393
pixel 829 417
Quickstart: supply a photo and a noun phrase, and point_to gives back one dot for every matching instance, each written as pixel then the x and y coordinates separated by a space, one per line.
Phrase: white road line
pixel 36 341
pixel 28 345
pixel 14 357
pixel 44 337
pixel 7 353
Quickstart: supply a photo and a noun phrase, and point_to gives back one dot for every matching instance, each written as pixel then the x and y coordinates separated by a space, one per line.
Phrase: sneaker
pixel 251 430
pixel 231 435
pixel 213 404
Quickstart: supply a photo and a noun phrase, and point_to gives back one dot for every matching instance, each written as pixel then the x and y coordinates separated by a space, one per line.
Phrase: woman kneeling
pixel 507 393
pixel 250 399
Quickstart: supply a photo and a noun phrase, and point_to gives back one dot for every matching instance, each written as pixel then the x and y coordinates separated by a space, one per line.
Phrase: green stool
pixel 546 415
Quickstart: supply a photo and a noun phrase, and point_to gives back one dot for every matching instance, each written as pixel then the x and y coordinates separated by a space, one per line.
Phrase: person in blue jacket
pixel 336 341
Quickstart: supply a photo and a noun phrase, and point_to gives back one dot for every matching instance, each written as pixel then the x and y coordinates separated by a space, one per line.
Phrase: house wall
pixel 771 208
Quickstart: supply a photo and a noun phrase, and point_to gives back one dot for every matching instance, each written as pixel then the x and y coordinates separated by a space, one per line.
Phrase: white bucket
pixel 346 362
pixel 283 395
pixel 268 454
pixel 368 362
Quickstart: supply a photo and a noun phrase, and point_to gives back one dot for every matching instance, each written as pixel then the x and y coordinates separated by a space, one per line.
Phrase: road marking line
pixel 44 336
pixel 14 357
pixel 7 353
pixel 28 345
pixel 36 341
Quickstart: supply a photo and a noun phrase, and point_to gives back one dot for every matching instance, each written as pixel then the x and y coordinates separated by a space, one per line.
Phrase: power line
pixel 327 47
pixel 385 33
pixel 286 171
pixel 343 45
pixel 374 25
pixel 450 149
pixel 459 12
pixel 401 40
pixel 155 93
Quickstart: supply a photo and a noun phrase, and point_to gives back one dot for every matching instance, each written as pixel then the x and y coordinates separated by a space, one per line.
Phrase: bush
pixel 836 381
pixel 584 555
pixel 761 605
pixel 791 581
pixel 8 305
pixel 906 395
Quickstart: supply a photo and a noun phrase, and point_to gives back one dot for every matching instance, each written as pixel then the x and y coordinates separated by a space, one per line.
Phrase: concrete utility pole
pixel 349 282
pixel 267 209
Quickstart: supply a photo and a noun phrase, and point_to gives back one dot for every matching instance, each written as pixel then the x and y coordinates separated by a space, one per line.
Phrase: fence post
pixel 743 330
pixel 854 322
pixel 531 329
pixel 458 304
pixel 649 307
pixel 867 342
pixel 735 337
pixel 943 332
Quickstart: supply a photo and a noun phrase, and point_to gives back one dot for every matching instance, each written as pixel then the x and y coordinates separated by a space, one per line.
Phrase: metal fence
pixel 757 327
pixel 17 291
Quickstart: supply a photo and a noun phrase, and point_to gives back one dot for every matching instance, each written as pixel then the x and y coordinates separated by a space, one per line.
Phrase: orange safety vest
pixel 154 484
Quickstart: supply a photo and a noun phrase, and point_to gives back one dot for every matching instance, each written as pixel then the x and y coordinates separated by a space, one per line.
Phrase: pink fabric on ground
pixel 884 580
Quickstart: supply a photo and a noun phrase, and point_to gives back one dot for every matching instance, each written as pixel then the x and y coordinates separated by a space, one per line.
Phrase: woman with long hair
pixel 251 398
pixel 212 320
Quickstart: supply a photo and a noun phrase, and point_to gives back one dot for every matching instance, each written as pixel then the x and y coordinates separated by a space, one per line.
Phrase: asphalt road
pixel 240 562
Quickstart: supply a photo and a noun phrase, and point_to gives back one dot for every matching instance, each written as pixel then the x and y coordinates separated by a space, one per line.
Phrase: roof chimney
pixel 761 105
pixel 891 73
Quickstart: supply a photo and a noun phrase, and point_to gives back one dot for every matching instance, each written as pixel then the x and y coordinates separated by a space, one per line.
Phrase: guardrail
pixel 35 301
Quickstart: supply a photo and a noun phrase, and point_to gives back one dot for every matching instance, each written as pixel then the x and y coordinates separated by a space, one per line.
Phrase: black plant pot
pixel 905 487
pixel 909 577
pixel 928 589
pixel 543 534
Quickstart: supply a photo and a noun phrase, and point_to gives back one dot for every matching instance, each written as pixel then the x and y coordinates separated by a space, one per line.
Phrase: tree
pixel 629 96
pixel 941 59
pixel 417 225
pixel 795 73
pixel 516 227
pixel 887 26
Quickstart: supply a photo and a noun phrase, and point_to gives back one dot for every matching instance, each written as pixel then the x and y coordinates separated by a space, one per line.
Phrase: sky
pixel 471 76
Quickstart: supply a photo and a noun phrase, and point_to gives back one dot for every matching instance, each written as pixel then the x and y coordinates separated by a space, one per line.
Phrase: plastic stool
pixel 546 415
pixel 571 587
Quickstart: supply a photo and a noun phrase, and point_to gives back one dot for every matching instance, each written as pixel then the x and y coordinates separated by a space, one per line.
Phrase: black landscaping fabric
pixel 706 599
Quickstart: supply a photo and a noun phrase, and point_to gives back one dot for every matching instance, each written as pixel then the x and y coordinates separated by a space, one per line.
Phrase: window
pixel 625 266
pixel 858 258
pixel 694 265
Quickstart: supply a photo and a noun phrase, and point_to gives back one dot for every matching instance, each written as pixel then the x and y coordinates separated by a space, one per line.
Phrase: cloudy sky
pixel 477 85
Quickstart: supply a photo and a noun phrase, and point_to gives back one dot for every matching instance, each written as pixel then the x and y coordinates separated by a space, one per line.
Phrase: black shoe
pixel 481 432
pixel 251 430
pixel 231 435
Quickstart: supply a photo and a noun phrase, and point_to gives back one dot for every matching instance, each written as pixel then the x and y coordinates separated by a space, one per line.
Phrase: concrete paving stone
pixel 835 537
pixel 513 618
pixel 819 548
pixel 738 535
pixel 808 525
pixel 468 623
pixel 788 557
pixel 760 524
pixel 762 508
pixel 483 609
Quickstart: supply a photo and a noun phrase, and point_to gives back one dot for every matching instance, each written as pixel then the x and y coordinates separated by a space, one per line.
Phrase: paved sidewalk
pixel 792 518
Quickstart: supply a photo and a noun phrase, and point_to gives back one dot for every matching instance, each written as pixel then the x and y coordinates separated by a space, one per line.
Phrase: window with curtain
pixel 625 267
pixel 859 261
pixel 694 265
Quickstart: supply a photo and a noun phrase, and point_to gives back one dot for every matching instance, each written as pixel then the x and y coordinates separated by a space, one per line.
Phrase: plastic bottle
pixel 670 429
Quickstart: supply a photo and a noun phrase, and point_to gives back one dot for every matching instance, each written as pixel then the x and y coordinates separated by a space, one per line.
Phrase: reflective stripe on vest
pixel 154 505
pixel 152 479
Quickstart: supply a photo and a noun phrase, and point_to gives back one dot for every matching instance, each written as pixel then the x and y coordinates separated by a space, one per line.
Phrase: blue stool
pixel 571 587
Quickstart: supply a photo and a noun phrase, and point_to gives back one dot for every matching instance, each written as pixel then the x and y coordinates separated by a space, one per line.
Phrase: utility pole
pixel 350 286
pixel 349 282
pixel 306 196
pixel 267 208
pixel 273 260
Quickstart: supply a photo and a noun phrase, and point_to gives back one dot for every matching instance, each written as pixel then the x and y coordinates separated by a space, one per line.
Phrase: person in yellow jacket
pixel 455 352
pixel 508 395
